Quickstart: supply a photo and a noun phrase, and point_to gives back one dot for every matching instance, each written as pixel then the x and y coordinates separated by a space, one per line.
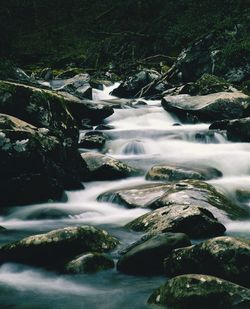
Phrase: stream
pixel 143 136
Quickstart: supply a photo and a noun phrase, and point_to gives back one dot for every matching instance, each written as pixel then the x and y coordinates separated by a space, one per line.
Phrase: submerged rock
pixel 194 221
pixel 101 167
pixel 146 257
pixel 225 257
pixel 200 291
pixel 89 263
pixel 180 172
pixel 56 247
pixel 208 108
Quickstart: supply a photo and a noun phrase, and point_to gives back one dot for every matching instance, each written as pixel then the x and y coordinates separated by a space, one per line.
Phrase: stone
pixel 146 257
pixel 194 221
pixel 55 248
pixel 102 167
pixel 35 166
pixel 238 130
pixel 200 291
pixel 187 192
pixel 89 263
pixel 225 257
pixel 180 172
pixel 208 108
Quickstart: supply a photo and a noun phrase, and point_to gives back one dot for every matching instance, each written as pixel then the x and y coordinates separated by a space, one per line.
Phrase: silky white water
pixel 142 136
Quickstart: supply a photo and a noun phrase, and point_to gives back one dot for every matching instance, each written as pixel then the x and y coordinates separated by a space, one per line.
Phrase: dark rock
pixel 201 291
pixel 146 258
pixel 35 166
pixel 101 167
pixel 133 85
pixel 47 214
pixel 99 83
pixel 41 108
pixel 92 141
pixel 243 195
pixel 89 263
pixel 104 127
pixel 238 130
pixel 2 229
pixel 69 73
pixel 225 257
pixel 194 221
pixel 180 172
pixel 208 108
pixel 58 246
pixel 45 74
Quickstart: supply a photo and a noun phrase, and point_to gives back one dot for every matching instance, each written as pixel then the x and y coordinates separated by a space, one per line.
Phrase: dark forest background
pixel 98 32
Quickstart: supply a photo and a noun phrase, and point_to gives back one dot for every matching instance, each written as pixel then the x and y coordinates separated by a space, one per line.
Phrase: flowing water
pixel 142 136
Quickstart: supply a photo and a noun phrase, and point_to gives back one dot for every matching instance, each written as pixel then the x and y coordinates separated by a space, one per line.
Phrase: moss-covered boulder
pixel 92 141
pixel 225 257
pixel 181 172
pixel 146 257
pixel 200 291
pixel 101 167
pixel 41 108
pixel 57 247
pixel 35 166
pixel 89 263
pixel 194 221
pixel 210 107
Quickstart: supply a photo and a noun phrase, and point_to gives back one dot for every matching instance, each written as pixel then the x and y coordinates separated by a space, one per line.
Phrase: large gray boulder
pixel 200 291
pixel 194 221
pixel 146 257
pixel 225 257
pixel 187 192
pixel 208 108
pixel 57 247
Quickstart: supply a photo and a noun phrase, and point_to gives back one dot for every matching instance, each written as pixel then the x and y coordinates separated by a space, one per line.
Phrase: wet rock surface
pixel 146 257
pixel 190 291
pixel 54 248
pixel 225 257
pixel 101 167
pixel 194 221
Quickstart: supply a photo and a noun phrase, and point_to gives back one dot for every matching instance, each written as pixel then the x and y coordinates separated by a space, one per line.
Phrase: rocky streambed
pixel 148 193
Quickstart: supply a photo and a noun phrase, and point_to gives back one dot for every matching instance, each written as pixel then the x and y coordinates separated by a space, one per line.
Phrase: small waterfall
pixel 134 147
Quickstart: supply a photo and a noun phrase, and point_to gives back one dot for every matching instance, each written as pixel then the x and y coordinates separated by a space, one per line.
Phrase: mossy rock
pixel 55 248
pixel 200 291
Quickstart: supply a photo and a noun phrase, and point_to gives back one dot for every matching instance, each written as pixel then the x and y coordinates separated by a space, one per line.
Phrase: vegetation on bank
pixel 122 33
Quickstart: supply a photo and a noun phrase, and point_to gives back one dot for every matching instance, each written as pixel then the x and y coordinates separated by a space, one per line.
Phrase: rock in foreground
pixel 147 257
pixel 225 257
pixel 201 291
pixel 58 246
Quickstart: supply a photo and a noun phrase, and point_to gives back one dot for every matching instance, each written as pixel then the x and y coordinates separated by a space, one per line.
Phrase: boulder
pixel 101 167
pixel 238 130
pixel 194 221
pixel 131 87
pixel 180 172
pixel 146 257
pixel 89 263
pixel 208 108
pixel 225 257
pixel 200 291
pixel 35 166
pixel 41 108
pixel 186 192
pixel 57 247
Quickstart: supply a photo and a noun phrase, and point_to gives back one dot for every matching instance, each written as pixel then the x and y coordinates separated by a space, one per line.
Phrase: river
pixel 142 136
